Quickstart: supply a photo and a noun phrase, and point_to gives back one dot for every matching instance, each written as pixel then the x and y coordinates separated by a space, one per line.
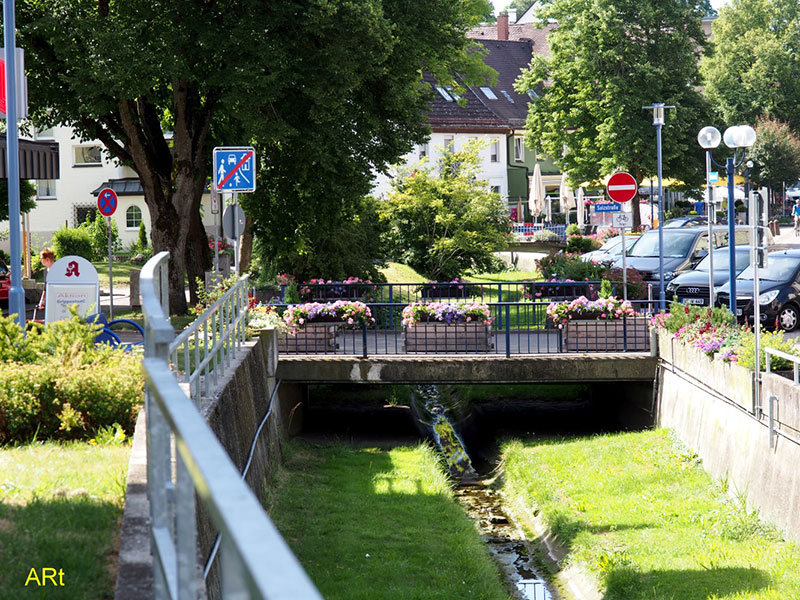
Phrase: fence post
pixel 508 331
pixel 500 301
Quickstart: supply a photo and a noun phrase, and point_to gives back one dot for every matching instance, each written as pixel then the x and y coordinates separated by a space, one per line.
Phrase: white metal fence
pixel 255 560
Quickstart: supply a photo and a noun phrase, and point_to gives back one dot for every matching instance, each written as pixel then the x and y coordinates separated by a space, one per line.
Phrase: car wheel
pixel 788 318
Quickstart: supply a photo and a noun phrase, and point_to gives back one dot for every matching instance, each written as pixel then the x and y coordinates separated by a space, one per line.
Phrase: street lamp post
pixel 738 138
pixel 658 122
pixel 709 138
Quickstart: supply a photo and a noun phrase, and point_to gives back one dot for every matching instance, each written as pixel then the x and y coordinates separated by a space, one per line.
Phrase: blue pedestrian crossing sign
pixel 235 169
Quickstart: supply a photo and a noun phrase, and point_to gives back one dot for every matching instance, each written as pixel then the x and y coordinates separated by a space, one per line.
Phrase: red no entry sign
pixel 107 202
pixel 621 187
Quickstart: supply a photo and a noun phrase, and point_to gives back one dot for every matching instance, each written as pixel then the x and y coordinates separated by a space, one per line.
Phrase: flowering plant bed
pixel 538 291
pixel 446 312
pixel 457 288
pixel 347 313
pixel 608 309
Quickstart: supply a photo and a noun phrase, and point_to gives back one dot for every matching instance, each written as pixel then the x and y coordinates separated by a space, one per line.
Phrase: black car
pixel 779 291
pixel 691 287
pixel 688 221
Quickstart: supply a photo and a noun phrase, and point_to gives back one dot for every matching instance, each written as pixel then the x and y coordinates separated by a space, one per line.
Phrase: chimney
pixel 512 15
pixel 502 26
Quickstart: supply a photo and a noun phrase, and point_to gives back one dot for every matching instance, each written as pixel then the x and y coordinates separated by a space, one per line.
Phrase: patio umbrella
pixel 536 197
pixel 579 206
pixel 566 196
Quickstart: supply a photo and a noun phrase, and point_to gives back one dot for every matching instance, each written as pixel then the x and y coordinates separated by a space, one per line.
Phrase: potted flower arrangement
pixel 312 326
pixel 447 327
pixel 351 288
pixel 605 324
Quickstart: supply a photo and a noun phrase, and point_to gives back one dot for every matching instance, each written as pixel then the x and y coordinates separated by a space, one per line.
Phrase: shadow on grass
pixel 73 534
pixel 627 584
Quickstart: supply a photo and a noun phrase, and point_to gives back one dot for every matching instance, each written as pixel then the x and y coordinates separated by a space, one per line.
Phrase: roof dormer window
pixel 488 93
pixel 443 93
pixel 507 95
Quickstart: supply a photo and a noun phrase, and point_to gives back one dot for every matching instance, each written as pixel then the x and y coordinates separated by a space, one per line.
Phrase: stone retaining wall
pixel 709 404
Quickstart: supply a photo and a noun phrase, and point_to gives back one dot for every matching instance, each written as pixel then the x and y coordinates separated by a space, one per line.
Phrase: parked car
pixel 5 283
pixel 684 248
pixel 779 291
pixel 687 221
pixel 793 191
pixel 691 287
pixel 611 250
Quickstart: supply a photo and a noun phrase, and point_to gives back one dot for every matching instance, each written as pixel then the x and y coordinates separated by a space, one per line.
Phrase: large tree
pixel 609 58
pixel 754 69
pixel 776 154
pixel 228 72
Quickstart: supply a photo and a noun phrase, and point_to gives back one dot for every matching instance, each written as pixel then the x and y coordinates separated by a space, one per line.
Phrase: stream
pixel 483 504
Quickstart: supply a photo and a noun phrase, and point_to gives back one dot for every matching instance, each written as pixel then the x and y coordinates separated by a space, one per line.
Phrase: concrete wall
pixel 710 406
pixel 235 415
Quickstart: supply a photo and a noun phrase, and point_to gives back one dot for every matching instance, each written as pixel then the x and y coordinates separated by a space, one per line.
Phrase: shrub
pixel 637 289
pixel 99 237
pixel 563 266
pixel 69 242
pixel 580 244
pixel 573 229
pixel 681 315
pixel 746 350
pixel 546 235
pixel 55 383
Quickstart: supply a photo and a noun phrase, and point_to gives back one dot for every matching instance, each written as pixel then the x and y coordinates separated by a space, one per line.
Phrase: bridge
pixel 548 368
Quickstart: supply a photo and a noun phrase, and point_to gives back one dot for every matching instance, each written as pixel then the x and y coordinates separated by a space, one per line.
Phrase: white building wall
pixel 494 173
pixel 59 203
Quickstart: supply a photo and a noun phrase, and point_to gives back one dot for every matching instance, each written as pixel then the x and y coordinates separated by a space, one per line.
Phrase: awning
pixel 127 186
pixel 37 160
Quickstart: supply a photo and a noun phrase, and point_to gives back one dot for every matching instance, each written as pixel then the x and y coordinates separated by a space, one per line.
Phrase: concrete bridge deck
pixel 563 368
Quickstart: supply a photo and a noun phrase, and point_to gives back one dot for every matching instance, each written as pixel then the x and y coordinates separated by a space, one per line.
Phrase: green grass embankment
pixel 638 512
pixel 378 524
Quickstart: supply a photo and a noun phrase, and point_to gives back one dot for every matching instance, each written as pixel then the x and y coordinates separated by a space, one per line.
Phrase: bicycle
pixel 797 226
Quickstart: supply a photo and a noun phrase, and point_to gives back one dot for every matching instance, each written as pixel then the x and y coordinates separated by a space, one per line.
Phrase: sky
pixel 501 4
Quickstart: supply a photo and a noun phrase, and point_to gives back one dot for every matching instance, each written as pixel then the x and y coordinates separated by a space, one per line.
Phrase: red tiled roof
pixel 517 32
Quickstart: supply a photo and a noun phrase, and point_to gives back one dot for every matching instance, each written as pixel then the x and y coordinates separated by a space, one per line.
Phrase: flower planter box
pixel 314 338
pixel 607 336
pixel 455 290
pixel 434 337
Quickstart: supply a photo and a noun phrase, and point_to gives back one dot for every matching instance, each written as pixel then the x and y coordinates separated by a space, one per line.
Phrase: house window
pixel 494 151
pixel 519 149
pixel 46 188
pixel 449 144
pixel 495 189
pixel 84 213
pixel 488 93
pixel 133 217
pixel 87 155
pixel 444 94
pixel 423 151
pixel 45 134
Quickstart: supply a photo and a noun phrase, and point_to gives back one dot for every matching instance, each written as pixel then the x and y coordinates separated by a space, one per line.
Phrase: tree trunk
pixel 246 250
pixel 198 256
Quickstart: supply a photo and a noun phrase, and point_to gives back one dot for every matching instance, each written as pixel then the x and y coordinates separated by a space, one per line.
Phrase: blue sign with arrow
pixel 235 169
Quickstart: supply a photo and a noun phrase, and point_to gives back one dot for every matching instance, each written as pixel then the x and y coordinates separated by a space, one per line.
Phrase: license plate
pixel 693 300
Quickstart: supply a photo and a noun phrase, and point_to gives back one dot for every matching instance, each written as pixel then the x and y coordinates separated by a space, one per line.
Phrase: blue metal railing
pixel 531 229
pixel 517 328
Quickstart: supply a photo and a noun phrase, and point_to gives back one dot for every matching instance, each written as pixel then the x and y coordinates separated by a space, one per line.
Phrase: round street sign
pixel 107 202
pixel 621 187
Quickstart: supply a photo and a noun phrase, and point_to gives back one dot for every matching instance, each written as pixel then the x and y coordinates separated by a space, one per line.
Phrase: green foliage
pixel 605 289
pixel 545 235
pixel 608 58
pixel 568 266
pixel 291 294
pixel 445 223
pixel 142 241
pixel 776 153
pixel 573 229
pixel 98 234
pixel 208 296
pixel 580 244
pixel 681 315
pixel 76 241
pixel 57 384
pixel 637 288
pixel 27 191
pixel 753 70
pixel 746 352
pixel 349 244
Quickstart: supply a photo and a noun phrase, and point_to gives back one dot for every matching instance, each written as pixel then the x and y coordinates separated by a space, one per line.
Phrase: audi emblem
pixel 692 290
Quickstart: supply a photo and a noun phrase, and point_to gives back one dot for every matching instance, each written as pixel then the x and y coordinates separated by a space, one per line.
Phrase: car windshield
pixel 779 268
pixel 721 261
pixel 676 244
pixel 611 243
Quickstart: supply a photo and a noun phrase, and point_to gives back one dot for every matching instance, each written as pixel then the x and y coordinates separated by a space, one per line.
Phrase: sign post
pixel 622 187
pixel 72 280
pixel 215 212
pixel 107 205
pixel 235 171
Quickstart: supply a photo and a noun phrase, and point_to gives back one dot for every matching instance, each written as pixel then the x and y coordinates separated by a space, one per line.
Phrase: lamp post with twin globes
pixel 738 138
